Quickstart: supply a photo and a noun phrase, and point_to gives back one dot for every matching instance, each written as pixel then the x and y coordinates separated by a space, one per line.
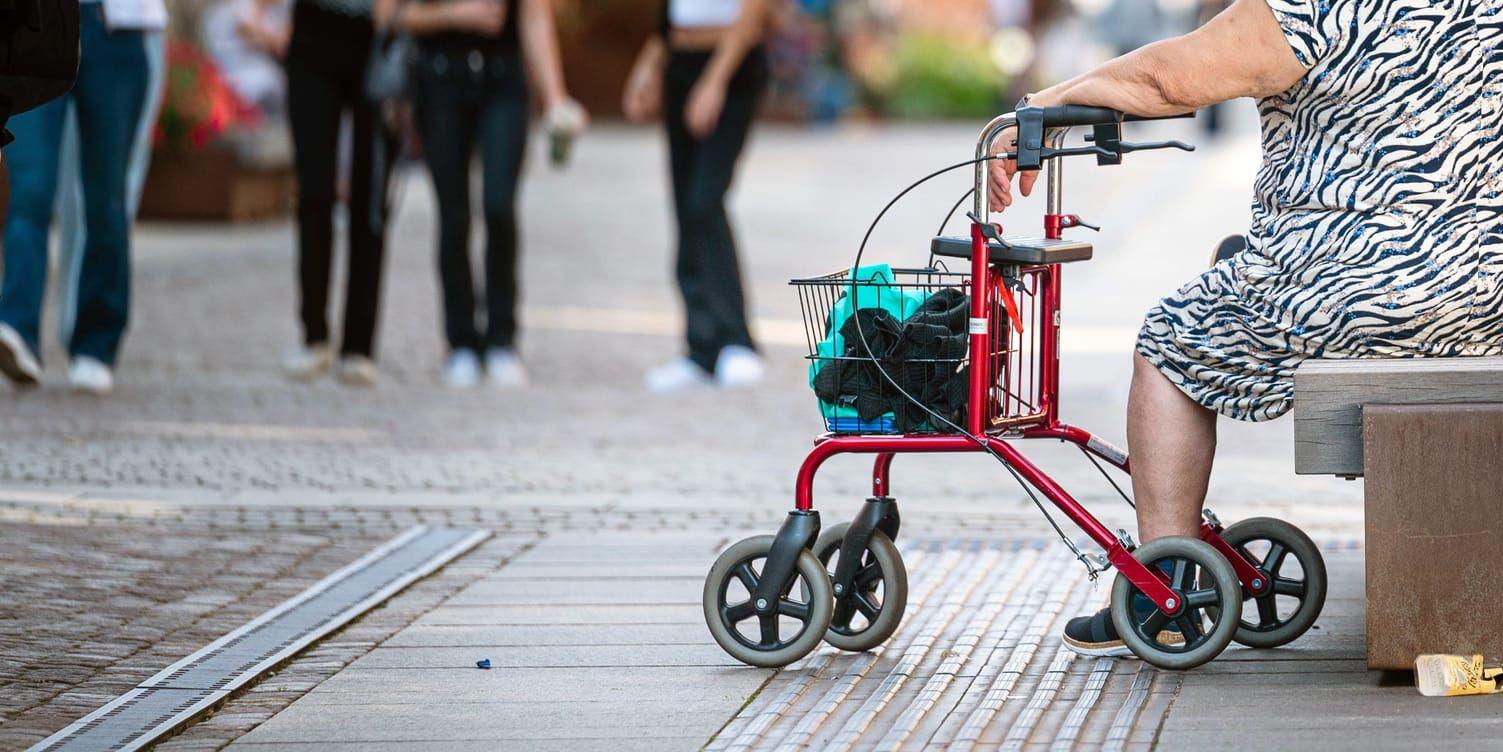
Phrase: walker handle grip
pixel 1068 115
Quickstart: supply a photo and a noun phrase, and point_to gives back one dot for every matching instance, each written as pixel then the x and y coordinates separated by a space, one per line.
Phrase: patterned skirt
pixel 1232 338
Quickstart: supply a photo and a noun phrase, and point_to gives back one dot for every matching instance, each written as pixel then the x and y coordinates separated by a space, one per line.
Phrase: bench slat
pixel 1329 395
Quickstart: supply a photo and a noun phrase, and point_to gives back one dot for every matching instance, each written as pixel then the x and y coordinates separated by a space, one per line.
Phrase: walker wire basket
pixel 915 326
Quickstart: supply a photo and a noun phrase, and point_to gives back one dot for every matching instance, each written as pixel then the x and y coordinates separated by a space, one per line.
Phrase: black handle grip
pixel 1034 121
pixel 1068 115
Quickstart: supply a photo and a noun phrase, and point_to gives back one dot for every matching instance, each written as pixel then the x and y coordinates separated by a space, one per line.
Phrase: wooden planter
pixel 211 185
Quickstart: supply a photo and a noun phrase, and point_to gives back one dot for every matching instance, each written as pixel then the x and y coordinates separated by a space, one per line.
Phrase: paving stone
pixel 593 592
pixel 704 653
pixel 513 635
pixel 612 742
pixel 728 684
pixel 630 613
pixel 377 721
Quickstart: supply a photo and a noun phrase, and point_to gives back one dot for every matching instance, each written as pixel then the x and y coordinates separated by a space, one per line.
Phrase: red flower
pixel 198 105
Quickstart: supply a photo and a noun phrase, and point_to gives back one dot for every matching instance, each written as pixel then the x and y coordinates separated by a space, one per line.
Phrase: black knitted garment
pixel 924 355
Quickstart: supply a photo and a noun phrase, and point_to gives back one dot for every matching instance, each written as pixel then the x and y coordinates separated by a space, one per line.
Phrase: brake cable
pixel 1093 565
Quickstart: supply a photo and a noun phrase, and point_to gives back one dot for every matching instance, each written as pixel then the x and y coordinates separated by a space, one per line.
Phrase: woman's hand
pixel 706 101
pixel 484 17
pixel 643 96
pixel 1000 172
pixel 565 115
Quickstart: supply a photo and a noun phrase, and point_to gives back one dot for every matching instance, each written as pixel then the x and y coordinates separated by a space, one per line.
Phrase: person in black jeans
pixel 707 71
pixel 474 61
pixel 326 60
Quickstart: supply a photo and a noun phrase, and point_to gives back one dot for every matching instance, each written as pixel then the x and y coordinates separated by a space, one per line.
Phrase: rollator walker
pixel 1177 602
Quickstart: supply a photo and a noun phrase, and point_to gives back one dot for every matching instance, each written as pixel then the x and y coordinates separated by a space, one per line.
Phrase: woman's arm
pixel 702 112
pixel 1239 53
pixel 540 48
pixel 644 87
pixel 419 18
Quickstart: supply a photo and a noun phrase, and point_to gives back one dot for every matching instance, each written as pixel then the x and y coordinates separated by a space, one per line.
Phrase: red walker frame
pixel 1044 424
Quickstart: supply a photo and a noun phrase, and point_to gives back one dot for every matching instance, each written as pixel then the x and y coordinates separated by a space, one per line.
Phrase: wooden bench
pixel 1427 435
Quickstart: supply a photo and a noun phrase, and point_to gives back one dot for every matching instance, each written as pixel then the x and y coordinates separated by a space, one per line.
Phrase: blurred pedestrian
pixel 326 61
pixel 71 218
pixel 706 71
pixel 248 39
pixel 109 99
pixel 475 59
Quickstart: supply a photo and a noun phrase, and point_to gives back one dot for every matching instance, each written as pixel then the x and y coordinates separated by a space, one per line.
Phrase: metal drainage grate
pixel 181 691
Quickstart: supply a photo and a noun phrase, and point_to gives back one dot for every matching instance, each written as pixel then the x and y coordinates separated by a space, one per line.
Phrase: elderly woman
pixel 1375 226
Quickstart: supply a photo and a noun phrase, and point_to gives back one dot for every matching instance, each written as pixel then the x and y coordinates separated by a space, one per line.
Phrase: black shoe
pixel 1096 635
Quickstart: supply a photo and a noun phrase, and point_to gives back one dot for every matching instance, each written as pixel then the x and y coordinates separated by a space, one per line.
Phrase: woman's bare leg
pixel 1172 440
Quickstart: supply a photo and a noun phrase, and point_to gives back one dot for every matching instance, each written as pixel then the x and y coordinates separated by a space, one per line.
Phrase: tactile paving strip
pixel 976 664
pixel 178 693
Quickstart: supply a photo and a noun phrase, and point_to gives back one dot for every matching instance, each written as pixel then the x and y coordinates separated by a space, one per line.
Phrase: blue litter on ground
pixel 483 663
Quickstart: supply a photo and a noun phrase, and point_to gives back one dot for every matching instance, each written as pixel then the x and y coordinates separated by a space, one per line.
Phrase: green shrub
pixel 935 76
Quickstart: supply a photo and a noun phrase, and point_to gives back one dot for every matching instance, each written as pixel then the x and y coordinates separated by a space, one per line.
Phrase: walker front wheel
pixel 869 612
pixel 1293 564
pixel 1211 601
pixel 779 633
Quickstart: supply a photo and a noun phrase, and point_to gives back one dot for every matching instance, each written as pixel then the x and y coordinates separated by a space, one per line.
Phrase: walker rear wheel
pixel 786 630
pixel 1292 562
pixel 870 612
pixel 1205 623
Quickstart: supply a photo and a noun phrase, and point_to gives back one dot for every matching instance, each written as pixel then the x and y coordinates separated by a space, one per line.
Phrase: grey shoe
pixel 357 370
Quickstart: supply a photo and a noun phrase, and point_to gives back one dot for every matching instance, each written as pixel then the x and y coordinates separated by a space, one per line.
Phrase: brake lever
pixel 990 230
pixel 1149 145
pixel 1078 151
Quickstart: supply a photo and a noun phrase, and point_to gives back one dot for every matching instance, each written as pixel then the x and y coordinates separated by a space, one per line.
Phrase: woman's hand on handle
pixel 1240 53
pixel 1000 171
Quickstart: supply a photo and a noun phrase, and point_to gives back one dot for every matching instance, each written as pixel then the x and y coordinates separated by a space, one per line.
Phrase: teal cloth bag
pixel 879 291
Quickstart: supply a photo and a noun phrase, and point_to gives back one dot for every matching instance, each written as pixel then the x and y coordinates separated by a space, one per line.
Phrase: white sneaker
pixel 677 376
pixel 357 370
pixel 17 361
pixel 88 375
pixel 462 370
pixel 308 362
pixel 504 369
pixel 738 367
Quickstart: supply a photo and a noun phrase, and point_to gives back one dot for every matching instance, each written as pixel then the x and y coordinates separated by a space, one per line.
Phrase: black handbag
pixel 388 70
pixel 38 54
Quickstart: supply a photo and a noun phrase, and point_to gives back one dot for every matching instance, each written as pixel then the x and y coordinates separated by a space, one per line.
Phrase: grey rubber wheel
pixel 1209 618
pixel 867 615
pixel 770 640
pixel 1282 614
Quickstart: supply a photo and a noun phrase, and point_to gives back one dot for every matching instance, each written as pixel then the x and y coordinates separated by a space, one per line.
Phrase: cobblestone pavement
pixel 136 528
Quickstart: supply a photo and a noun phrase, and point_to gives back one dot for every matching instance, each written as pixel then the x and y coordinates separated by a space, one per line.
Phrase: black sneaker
pixel 1096 635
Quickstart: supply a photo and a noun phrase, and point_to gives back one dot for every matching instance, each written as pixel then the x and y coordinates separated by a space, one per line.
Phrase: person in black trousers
pixel 326 61
pixel 475 58
pixel 707 72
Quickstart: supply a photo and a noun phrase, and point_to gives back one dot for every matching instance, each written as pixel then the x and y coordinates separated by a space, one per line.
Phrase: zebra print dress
pixel 1376 215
